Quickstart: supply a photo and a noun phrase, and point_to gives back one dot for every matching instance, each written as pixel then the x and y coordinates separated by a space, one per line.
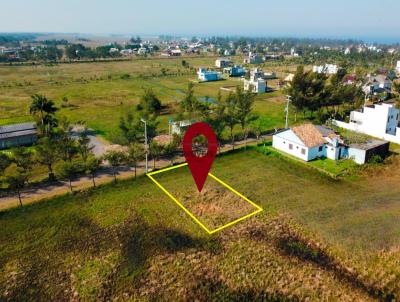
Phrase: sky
pixel 362 19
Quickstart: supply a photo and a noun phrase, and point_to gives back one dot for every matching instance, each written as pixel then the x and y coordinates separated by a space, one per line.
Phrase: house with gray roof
pixel 17 135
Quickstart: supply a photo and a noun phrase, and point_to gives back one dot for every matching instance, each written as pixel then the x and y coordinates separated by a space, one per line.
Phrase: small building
pixel 398 67
pixel 223 62
pixel 235 71
pixel 377 84
pixel 381 120
pixel 255 84
pixel 309 142
pixel 363 152
pixel 17 135
pixel 176 53
pixel 326 69
pixel 205 75
pixel 179 127
pixel 253 58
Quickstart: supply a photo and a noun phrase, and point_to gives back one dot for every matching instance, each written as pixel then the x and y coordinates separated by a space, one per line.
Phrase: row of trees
pixel 312 92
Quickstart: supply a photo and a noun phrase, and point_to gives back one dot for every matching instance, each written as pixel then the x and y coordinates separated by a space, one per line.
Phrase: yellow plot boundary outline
pixel 259 209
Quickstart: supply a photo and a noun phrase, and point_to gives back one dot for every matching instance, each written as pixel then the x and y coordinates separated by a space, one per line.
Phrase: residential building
pixel 142 51
pixel 179 127
pixel 17 135
pixel 223 62
pixel 361 153
pixel 205 75
pixel 327 69
pixel 253 59
pixel 381 120
pixel 176 53
pixel 309 142
pixel 235 71
pixel 398 67
pixel 255 84
pixel 377 84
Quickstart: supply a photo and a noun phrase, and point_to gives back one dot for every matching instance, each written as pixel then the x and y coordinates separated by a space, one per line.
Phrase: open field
pixel 100 93
pixel 318 238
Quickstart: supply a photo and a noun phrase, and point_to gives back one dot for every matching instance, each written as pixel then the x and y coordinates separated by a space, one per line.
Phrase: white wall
pixel 357 155
pixel 284 145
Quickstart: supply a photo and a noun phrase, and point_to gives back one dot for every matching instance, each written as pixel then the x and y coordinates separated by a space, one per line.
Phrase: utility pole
pixel 145 143
pixel 287 111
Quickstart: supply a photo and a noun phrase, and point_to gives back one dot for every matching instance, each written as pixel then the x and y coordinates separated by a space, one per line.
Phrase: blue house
pixel 235 71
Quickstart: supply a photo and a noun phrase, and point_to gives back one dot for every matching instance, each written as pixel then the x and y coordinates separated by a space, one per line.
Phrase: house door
pixel 340 153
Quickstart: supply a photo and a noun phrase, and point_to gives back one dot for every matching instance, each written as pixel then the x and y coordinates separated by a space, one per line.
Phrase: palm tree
pixel 43 107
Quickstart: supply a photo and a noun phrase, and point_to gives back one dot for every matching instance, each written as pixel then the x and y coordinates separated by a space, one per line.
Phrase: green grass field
pixel 100 96
pixel 317 238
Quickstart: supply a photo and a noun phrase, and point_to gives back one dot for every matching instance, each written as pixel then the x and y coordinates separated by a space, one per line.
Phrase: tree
pixel 149 102
pixel 66 170
pixel 47 154
pixel 5 161
pixel 67 145
pixel 258 125
pixel 231 115
pixel 84 148
pixel 136 153
pixel 189 102
pixel 244 105
pixel 156 151
pixel 115 159
pixel 217 119
pixel 92 165
pixel 23 158
pixel 16 179
pixel 43 108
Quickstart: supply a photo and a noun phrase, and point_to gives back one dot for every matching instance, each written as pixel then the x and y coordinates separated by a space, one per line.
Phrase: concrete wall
pixel 357 155
pixel 290 147
pixel 17 141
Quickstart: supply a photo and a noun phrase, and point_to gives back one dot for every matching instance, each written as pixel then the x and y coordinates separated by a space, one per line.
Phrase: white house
pixel 380 120
pixel 327 69
pixel 223 62
pixel 398 67
pixel 179 127
pixel 253 58
pixel 309 142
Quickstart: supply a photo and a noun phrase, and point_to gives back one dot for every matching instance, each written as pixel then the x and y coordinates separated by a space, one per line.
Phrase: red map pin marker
pixel 200 166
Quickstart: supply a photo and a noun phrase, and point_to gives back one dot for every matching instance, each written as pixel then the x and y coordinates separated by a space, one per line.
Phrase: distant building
pixel 176 53
pixel 398 67
pixel 223 63
pixel 255 84
pixel 205 75
pixel 142 51
pixel 253 59
pixel 377 84
pixel 380 120
pixel 179 127
pixel 326 69
pixel 17 135
pixel 235 71
pixel 126 52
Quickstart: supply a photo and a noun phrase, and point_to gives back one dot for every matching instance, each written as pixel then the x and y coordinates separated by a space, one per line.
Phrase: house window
pixel 320 149
pixel 290 146
pixel 303 151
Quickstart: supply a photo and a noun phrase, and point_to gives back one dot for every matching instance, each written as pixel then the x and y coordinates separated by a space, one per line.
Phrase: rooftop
pixel 369 144
pixel 17 130
pixel 309 134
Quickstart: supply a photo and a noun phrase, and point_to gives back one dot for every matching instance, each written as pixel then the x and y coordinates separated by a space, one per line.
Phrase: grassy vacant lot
pixel 318 238
pixel 100 92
